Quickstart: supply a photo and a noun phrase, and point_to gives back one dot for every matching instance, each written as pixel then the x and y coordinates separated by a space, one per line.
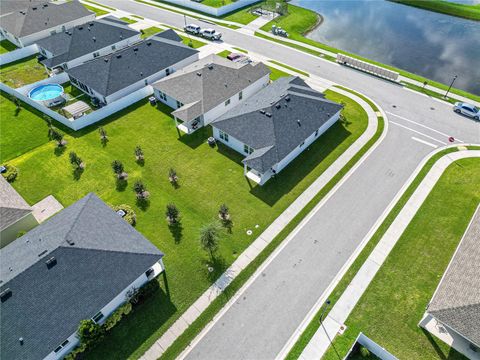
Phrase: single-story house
pixel 27 22
pixel 85 42
pixel 15 214
pixel 111 77
pixel 80 264
pixel 275 125
pixel 453 314
pixel 208 88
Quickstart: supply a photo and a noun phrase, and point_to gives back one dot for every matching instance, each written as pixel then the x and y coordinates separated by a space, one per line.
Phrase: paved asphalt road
pixel 269 311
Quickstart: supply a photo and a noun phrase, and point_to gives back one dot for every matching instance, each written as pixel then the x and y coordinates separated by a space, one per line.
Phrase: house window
pixel 223 136
pixel 167 72
pixel 179 104
pixel 240 95
pixel 316 133
pixel 302 143
pixel 65 66
pixel 227 102
pixel 113 47
pixel 98 316
pixel 247 149
pixel 96 54
pixel 162 95
pixel 61 346
pixel 149 272
pixel 146 81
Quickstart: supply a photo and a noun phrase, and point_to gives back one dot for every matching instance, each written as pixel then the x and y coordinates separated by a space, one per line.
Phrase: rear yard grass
pixel 22 72
pixel 6 46
pixel 394 303
pixel 207 178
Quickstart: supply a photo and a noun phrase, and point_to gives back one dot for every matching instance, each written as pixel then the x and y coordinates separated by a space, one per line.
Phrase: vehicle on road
pixel 467 110
pixel 192 29
pixel 210 34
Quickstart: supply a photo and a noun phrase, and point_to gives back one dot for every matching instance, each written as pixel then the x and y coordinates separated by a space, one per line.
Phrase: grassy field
pixel 22 72
pixel 20 130
pixel 466 11
pixel 44 171
pixel 97 11
pixel 6 46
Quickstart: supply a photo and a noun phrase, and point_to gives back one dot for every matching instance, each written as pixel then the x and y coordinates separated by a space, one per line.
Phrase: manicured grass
pixel 128 20
pixel 138 17
pixel 289 67
pixel 216 3
pixel 466 11
pixel 6 46
pixel 428 92
pixel 241 50
pixel 150 31
pixel 97 11
pixel 21 130
pixel 208 178
pixel 22 72
pixel 224 53
pixel 185 339
pixel 191 41
pixel 96 3
pixel 392 306
pixel 297 22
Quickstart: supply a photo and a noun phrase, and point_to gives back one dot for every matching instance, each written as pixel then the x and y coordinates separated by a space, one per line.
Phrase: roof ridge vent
pixel 262 111
pixel 278 106
pixel 199 73
pixel 135 49
pixel 119 56
pixel 80 27
pixel 210 66
pixel 105 59
pixel 94 39
pixel 299 123
pixel 51 262
pixel 287 98
pixel 267 114
pixel 5 294
pixel 149 43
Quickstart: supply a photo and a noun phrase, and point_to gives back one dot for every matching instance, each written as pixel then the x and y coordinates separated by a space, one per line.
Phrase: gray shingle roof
pixel 170 35
pixel 84 39
pixel 111 73
pixel 98 255
pixel 41 16
pixel 12 206
pixel 208 83
pixel 295 110
pixel 456 301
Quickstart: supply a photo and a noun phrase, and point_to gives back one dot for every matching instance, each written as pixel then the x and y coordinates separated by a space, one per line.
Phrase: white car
pixel 467 110
pixel 210 34
pixel 192 29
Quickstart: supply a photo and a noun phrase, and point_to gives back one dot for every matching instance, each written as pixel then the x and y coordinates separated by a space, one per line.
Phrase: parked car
pixel 192 29
pixel 210 34
pixel 467 110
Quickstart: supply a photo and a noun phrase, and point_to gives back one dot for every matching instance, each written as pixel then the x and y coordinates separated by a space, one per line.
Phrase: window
pixel 247 149
pixel 146 81
pixel 58 349
pixel 240 95
pixel 149 272
pixel 302 143
pixel 98 316
pixel 96 54
pixel 65 66
pixel 61 346
pixel 113 47
pixel 227 102
pixel 223 136
pixel 65 343
pixel 316 133
pixel 167 71
pixel 179 104
pixel 162 95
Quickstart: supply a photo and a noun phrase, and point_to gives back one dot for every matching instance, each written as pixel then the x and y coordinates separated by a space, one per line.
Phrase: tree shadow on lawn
pixel 121 184
pixel 176 231
pixel 218 265
pixel 137 328
pixel 452 355
pixel 196 139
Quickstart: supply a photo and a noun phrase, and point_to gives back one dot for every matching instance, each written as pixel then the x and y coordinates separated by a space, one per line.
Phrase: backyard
pixel 22 72
pixel 208 178
pixel 394 303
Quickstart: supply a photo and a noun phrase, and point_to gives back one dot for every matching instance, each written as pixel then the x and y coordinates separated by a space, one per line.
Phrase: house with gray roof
pixel 275 125
pixel 111 77
pixel 15 214
pixel 453 313
pixel 80 264
pixel 85 42
pixel 208 88
pixel 24 23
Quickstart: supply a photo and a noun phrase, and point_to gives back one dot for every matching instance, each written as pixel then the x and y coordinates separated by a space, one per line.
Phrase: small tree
pixel 172 176
pixel 103 134
pixel 118 169
pixel 141 190
pixel 172 214
pixel 139 153
pixel 223 213
pixel 76 161
pixel 209 238
pixel 90 332
pixel 57 136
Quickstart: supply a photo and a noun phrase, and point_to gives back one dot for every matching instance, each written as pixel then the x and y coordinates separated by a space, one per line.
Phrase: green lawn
pixel 208 178
pixel 20 130
pixel 446 7
pixel 22 72
pixel 216 3
pixel 289 67
pixel 150 31
pixel 104 6
pixel 191 41
pixel 97 11
pixel 392 306
pixel 428 92
pixel 128 20
pixel 6 46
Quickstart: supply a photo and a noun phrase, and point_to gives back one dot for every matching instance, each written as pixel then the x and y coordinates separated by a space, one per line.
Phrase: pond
pixel 423 42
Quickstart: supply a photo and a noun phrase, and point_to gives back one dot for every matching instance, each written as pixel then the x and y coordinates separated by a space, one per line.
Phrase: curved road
pixel 260 323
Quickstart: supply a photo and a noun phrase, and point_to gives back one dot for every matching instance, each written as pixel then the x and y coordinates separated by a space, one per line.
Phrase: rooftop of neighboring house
pixel 84 39
pixel 456 302
pixel 276 120
pixel 111 73
pixel 12 206
pixel 63 271
pixel 207 83
pixel 27 18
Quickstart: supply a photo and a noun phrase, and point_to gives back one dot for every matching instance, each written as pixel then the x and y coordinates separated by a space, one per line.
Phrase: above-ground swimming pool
pixel 48 95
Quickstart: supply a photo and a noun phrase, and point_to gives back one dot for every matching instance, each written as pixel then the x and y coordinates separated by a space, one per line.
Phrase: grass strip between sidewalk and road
pixel 307 335
pixel 196 327
pixel 98 4
pixel 289 68
pixel 97 11
pixel 428 92
pixel 465 11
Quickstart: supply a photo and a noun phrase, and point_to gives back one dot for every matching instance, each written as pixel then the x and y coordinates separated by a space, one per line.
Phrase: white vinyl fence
pixel 373 347
pixel 367 67
pixel 211 10
pixel 18 54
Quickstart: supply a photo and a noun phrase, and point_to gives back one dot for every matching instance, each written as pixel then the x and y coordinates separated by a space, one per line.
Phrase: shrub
pixel 117 315
pixel 209 238
pixel 130 215
pixel 90 332
pixel 139 156
pixel 364 352
pixel 119 170
pixel 172 176
pixel 11 173
pixel 223 212
pixel 141 190
pixel 172 213
pixel 76 161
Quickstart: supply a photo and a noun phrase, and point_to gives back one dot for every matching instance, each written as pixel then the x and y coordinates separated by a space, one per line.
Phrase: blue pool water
pixel 46 92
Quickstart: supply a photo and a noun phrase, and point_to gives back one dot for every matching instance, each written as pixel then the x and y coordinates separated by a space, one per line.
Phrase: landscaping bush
pixel 117 315
pixel 11 174
pixel 130 216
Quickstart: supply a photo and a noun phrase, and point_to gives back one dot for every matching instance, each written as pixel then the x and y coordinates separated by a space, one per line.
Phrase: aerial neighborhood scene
pixel 240 179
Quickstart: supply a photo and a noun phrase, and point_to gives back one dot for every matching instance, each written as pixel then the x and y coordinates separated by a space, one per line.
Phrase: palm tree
pixel 119 170
pixel 172 176
pixel 223 212
pixel 141 190
pixel 139 153
pixel 209 238
pixel 172 214
pixel 103 134
pixel 76 161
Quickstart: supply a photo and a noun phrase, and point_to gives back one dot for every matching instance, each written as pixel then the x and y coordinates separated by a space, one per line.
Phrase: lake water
pixel 434 45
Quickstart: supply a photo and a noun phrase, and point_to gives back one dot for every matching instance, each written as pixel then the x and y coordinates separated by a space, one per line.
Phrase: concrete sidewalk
pixel 333 323
pixel 192 313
